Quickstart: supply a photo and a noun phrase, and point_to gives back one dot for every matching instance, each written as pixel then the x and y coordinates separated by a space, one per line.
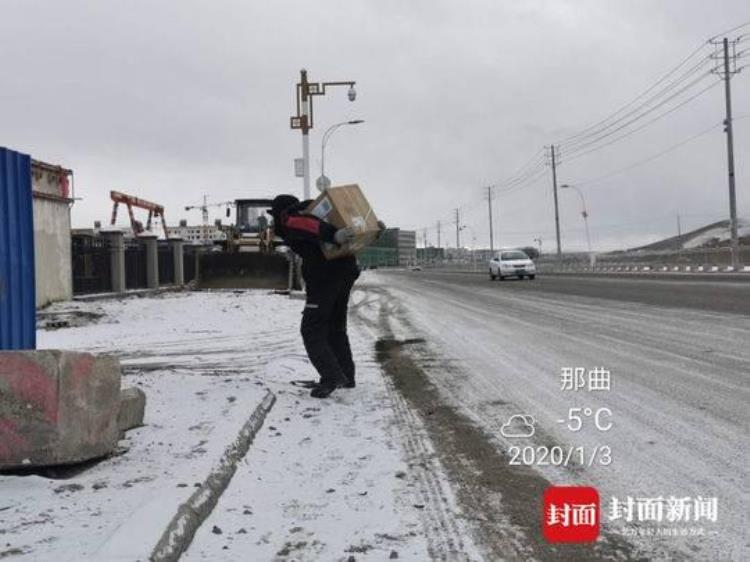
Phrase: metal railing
pixel 165 263
pixel 689 259
pixel 684 260
pixel 92 265
pixel 135 265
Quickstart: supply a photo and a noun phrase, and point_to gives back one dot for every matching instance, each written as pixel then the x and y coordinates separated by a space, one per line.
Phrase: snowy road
pixel 678 395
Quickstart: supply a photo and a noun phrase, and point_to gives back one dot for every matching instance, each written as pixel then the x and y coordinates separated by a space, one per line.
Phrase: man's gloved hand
pixel 381 227
pixel 344 236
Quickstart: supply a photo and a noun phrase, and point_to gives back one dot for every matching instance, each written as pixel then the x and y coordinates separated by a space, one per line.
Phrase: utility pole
pixel 729 130
pixel 305 95
pixel 458 232
pixel 679 226
pixel 553 150
pixel 489 204
pixel 734 244
pixel 438 228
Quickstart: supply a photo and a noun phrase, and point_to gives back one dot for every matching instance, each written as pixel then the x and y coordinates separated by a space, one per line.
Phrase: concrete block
pixel 132 409
pixel 57 407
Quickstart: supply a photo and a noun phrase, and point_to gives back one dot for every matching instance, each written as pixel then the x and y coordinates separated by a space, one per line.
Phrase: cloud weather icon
pixel 519 425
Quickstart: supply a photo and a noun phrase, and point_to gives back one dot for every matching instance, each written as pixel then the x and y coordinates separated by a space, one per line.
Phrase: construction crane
pixel 204 212
pixel 154 210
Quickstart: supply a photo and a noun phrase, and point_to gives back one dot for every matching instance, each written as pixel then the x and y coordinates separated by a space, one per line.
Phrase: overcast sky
pixel 171 100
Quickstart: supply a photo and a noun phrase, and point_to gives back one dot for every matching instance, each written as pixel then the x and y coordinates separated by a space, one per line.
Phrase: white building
pixel 197 233
pixel 51 189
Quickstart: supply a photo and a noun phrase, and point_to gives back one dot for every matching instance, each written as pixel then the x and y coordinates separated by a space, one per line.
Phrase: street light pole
pixel 489 202
pixel 305 133
pixel 323 182
pixel 458 232
pixel 473 246
pixel 539 241
pixel 585 215
pixel 304 118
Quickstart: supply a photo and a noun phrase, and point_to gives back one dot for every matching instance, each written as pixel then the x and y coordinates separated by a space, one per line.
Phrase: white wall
pixel 54 276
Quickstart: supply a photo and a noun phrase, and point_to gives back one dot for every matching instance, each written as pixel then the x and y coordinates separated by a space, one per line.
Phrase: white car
pixel 511 263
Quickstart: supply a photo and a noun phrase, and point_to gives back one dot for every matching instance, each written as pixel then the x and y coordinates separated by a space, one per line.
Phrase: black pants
pixel 324 327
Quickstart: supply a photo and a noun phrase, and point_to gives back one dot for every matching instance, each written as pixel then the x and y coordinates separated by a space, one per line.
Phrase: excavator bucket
pixel 250 257
pixel 243 270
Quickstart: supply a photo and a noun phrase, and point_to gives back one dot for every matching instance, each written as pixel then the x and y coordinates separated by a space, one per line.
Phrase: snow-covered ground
pixel 325 480
pixel 117 509
pixel 331 479
pixel 720 233
pixel 201 385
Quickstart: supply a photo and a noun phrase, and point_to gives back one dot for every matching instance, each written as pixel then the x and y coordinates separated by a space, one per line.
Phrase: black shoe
pixel 349 384
pixel 322 390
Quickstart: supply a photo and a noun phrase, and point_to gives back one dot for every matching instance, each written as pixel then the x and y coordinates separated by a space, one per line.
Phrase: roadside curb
pixel 190 515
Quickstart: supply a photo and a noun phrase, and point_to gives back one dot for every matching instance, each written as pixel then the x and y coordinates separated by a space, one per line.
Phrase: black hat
pixel 281 203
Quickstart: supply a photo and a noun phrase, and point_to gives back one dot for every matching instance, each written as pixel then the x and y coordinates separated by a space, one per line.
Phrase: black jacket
pixel 303 233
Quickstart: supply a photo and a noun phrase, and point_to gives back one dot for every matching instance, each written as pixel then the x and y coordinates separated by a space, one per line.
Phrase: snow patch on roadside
pixel 326 479
pixel 168 345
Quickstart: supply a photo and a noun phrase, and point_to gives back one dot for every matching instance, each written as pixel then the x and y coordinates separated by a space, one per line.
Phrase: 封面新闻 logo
pixel 570 514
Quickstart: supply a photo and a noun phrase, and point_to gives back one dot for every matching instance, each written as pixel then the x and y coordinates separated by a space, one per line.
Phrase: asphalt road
pixel 718 293
pixel 679 359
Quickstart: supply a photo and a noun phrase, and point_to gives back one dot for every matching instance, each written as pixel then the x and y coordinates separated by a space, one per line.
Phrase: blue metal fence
pixel 17 281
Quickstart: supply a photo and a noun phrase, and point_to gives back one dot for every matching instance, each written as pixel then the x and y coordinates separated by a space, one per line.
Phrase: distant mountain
pixel 710 236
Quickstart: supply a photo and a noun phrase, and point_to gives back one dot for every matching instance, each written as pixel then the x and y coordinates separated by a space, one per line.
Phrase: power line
pixel 650 158
pixel 531 180
pixel 644 109
pixel 650 122
pixel 728 31
pixel 638 97
pixel 668 88
pixel 597 129
pixel 666 76
pixel 536 159
pixel 585 145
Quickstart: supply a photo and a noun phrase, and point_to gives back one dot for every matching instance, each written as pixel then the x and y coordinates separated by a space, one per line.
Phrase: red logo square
pixel 570 514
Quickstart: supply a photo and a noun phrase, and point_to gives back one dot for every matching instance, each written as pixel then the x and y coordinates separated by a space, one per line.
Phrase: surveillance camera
pixel 352 93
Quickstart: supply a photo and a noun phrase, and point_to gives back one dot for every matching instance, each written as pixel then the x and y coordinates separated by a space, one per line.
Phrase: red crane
pixel 154 210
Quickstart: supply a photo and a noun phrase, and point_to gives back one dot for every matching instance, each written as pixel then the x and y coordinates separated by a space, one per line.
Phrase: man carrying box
pixel 328 282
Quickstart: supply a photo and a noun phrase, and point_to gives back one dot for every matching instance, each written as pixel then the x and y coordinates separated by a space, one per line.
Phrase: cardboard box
pixel 346 206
